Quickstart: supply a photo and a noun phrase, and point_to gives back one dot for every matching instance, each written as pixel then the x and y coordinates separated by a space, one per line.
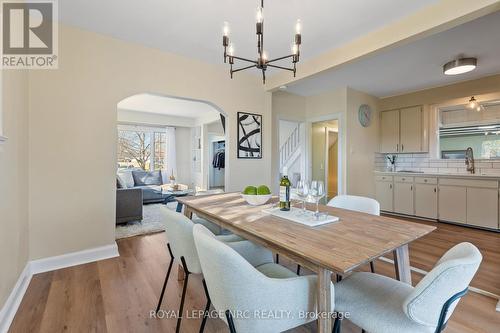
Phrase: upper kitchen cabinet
pixel 389 141
pixel 411 130
pixel 403 131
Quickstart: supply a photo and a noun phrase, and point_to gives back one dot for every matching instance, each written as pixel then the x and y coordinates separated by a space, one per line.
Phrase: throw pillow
pixel 126 178
pixel 142 178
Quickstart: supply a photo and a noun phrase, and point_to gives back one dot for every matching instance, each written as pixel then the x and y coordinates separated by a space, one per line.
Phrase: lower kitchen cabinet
pixel 403 198
pixel 468 200
pixel 426 201
pixel 453 203
pixel 482 207
pixel 384 195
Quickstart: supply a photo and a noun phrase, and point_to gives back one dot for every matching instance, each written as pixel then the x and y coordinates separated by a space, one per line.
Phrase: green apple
pixel 263 189
pixel 250 190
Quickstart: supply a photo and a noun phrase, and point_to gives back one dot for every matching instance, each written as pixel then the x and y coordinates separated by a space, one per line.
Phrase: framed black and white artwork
pixel 249 135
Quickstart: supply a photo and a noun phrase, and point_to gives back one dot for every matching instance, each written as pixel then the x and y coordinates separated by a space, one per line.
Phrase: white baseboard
pixel 74 258
pixel 10 307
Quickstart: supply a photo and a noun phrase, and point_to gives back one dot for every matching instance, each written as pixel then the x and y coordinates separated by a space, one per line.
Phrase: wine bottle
pixel 285 191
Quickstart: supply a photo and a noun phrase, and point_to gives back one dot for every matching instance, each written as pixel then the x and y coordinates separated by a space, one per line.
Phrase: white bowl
pixel 256 200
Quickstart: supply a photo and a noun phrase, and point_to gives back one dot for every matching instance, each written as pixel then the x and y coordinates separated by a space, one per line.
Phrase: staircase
pixel 291 149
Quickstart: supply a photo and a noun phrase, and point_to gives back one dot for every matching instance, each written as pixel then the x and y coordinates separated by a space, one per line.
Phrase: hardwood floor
pixel 117 295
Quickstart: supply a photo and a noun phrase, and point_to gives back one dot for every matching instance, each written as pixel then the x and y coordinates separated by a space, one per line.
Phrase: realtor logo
pixel 29 34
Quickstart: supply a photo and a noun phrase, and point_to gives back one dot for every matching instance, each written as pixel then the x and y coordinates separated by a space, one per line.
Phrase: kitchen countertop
pixel 442 175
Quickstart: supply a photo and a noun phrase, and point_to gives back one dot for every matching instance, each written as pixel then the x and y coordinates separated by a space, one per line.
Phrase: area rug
pixel 151 222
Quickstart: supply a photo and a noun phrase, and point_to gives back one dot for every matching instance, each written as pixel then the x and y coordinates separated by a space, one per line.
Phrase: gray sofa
pixel 148 181
pixel 128 205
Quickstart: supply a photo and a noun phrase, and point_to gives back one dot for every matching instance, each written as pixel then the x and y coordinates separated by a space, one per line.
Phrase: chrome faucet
pixel 469 160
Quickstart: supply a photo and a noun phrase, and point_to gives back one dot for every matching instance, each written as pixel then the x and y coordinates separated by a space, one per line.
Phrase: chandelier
pixel 262 62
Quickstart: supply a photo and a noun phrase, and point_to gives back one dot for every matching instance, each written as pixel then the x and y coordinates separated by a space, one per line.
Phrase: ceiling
pixel 193 28
pixel 417 65
pixel 169 106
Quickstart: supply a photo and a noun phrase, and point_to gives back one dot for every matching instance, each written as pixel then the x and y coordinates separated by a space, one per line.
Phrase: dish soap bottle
pixel 285 191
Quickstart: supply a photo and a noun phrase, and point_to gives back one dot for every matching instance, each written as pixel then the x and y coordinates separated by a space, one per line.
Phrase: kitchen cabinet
pixel 389 141
pixel 453 203
pixel 482 207
pixel 468 200
pixel 384 193
pixel 426 198
pixel 402 130
pixel 403 195
pixel 411 132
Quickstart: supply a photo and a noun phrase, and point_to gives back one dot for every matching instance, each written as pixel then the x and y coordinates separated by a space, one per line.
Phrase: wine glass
pixel 302 193
pixel 317 191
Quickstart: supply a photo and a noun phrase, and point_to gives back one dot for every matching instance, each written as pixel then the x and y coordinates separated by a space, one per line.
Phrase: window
pixel 479 129
pixel 141 147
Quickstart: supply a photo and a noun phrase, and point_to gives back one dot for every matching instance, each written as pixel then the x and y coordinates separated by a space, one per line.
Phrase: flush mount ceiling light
pixel 262 62
pixel 460 66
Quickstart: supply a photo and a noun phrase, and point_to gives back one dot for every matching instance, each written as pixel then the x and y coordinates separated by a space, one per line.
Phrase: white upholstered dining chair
pixel 182 250
pixel 379 304
pixel 236 287
pixel 357 203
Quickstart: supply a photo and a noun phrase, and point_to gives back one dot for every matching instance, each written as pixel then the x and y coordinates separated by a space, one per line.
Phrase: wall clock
pixel 365 115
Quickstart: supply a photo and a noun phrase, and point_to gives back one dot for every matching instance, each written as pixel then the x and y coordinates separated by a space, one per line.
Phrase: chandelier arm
pixel 242 68
pixel 281 67
pixel 281 58
pixel 244 59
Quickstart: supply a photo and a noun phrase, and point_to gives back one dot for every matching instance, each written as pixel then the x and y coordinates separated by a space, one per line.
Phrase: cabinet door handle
pixel 435 190
pixel 411 188
pixel 397 147
pixel 402 147
pixel 390 186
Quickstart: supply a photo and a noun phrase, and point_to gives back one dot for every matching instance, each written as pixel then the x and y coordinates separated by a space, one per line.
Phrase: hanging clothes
pixel 219 160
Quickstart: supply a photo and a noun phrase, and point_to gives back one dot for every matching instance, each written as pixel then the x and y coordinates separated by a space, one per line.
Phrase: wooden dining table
pixel 340 247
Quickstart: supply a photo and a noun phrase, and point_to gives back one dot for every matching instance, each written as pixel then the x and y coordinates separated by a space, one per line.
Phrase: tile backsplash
pixel 422 162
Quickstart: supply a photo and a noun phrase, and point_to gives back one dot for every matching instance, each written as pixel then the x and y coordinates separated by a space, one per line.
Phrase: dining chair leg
pixel 230 322
pixel 184 288
pixel 337 324
pixel 298 269
pixel 166 278
pixel 207 307
pixel 372 266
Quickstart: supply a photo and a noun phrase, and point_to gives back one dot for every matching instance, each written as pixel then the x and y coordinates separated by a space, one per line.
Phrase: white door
pixel 426 200
pixel 403 198
pixel 384 195
pixel 453 203
pixel 482 207
pixel 389 131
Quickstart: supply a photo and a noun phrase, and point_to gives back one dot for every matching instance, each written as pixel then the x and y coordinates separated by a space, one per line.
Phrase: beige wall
pixel 490 84
pixel 362 143
pixel 73 135
pixel 14 185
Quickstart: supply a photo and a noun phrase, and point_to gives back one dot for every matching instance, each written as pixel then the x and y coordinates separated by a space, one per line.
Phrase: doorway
pixel 325 156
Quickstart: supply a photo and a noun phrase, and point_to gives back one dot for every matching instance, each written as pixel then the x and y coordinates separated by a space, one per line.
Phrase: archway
pixel 167 146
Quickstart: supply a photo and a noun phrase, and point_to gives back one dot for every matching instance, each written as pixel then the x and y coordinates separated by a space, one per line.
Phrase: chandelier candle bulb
pixel 260 15
pixel 298 27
